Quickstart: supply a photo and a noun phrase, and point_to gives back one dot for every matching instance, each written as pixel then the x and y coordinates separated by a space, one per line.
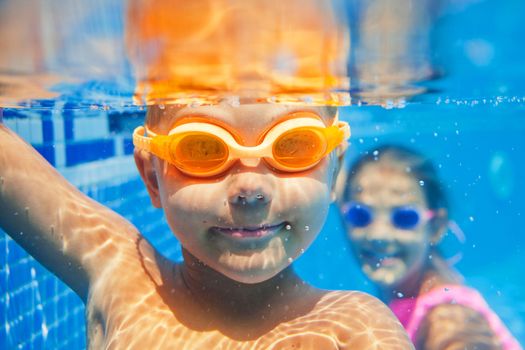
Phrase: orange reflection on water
pixel 284 50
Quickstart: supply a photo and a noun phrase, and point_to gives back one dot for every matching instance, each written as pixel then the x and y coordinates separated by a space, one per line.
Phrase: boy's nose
pixel 250 189
pixel 250 197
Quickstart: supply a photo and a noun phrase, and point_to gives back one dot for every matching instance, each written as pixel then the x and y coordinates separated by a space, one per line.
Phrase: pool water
pixel 468 117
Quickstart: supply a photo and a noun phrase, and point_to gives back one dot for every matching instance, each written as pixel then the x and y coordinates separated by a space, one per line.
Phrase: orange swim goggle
pixel 203 149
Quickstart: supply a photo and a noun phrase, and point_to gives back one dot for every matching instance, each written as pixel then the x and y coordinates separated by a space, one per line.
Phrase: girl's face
pixel 389 255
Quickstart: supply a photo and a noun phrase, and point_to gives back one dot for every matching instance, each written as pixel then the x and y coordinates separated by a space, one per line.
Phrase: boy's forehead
pixel 253 116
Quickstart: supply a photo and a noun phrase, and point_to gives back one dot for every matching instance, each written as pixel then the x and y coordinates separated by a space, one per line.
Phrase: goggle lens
pixel 405 218
pixel 198 152
pixel 299 148
pixel 360 215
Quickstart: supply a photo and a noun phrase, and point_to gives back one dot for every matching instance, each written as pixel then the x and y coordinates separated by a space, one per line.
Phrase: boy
pixel 241 221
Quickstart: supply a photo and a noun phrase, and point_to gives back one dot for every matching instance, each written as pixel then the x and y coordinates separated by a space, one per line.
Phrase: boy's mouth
pixel 250 232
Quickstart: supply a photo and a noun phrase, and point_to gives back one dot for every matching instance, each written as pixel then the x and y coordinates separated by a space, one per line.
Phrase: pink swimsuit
pixel 412 311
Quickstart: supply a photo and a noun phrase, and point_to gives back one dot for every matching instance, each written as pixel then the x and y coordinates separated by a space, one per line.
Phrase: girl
pixel 396 213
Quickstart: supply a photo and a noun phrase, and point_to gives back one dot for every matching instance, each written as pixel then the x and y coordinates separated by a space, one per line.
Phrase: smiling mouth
pixel 380 258
pixel 249 233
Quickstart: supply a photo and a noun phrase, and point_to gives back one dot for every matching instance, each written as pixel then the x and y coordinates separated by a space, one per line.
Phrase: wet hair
pixel 413 162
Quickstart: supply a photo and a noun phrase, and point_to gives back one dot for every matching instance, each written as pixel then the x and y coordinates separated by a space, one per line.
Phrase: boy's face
pixel 250 222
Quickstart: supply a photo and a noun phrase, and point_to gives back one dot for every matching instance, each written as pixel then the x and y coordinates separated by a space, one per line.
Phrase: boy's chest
pixel 147 322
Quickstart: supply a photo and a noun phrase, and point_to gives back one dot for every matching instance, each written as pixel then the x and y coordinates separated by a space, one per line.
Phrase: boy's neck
pixel 216 291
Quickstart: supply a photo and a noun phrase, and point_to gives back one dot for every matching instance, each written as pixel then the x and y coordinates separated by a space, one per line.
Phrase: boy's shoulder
pixel 358 302
pixel 363 321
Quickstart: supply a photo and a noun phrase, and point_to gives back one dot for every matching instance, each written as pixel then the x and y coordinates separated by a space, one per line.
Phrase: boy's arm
pixel 73 236
pixel 454 327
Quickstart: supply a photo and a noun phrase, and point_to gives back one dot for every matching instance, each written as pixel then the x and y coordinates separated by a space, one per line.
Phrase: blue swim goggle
pixel 404 217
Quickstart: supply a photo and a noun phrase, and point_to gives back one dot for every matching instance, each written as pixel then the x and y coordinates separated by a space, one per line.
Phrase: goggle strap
pixel 337 135
pixel 345 128
pixel 153 145
pixel 140 141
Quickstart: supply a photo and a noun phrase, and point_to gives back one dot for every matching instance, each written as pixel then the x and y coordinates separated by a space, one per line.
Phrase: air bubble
pixel 400 295
pixel 307 228
pixel 288 227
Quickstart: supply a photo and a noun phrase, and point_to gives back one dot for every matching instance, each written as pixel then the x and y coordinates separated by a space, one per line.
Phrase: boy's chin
pixel 250 272
pixel 253 266
pixel 247 277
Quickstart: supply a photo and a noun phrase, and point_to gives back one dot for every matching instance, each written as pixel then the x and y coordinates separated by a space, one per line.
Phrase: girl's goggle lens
pixel 299 148
pixel 359 215
pixel 405 218
pixel 198 153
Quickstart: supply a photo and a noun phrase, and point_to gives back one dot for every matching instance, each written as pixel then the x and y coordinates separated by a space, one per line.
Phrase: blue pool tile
pixel 87 151
pixel 46 103
pixel 133 186
pixel 15 252
pixel 13 113
pixel 3 256
pixel 47 129
pixel 68 122
pixel 128 146
pixel 47 151
pixel 3 313
pixel 61 307
pixel 49 289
